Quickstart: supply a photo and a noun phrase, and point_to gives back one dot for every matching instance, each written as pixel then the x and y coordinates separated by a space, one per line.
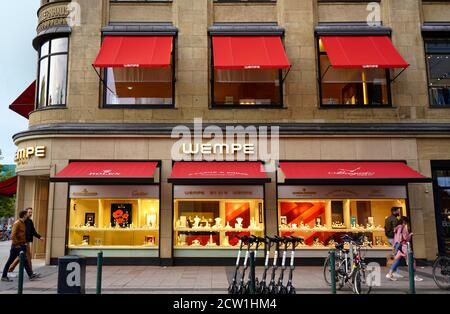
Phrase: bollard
pixel 21 267
pixel 99 272
pixel 333 271
pixel 412 284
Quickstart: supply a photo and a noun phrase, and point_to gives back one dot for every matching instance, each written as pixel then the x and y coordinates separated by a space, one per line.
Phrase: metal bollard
pixel 333 271
pixel 21 267
pixel 99 272
pixel 412 284
pixel 252 273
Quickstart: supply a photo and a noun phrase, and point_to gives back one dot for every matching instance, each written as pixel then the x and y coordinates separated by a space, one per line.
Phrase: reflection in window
pixel 352 86
pixel 438 64
pixel 52 81
pixel 247 87
pixel 139 86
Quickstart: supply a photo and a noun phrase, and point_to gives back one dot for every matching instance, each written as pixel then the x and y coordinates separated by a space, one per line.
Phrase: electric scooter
pixel 232 289
pixel 262 287
pixel 280 288
pixel 272 288
pixel 257 241
pixel 290 289
pixel 242 287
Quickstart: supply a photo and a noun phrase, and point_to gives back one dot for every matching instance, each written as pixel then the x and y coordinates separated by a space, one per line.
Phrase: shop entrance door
pixel 40 214
pixel 441 187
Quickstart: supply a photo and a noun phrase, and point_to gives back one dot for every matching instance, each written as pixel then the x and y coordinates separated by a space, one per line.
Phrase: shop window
pixel 322 223
pixel 441 175
pixel 352 87
pixel 52 73
pixel 438 69
pixel 247 88
pixel 112 223
pixel 139 86
pixel 213 224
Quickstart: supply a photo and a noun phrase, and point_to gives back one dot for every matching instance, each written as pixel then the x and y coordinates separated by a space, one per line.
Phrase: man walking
pixel 29 235
pixel 18 245
pixel 389 229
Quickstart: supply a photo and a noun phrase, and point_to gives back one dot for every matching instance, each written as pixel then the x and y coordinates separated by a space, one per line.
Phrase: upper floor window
pixel 438 68
pixel 52 77
pixel 138 74
pixel 247 71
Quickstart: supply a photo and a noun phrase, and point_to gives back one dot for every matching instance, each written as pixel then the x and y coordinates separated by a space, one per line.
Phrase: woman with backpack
pixel 401 237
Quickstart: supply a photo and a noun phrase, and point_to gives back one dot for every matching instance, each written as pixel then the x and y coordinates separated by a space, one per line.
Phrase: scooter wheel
pixel 292 290
pixel 282 290
pixel 232 289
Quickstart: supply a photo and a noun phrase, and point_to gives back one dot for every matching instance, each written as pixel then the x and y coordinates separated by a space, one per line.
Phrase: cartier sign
pixel 29 152
pixel 54 15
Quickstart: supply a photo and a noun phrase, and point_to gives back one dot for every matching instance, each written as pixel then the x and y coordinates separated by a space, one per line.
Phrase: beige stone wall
pixel 192 17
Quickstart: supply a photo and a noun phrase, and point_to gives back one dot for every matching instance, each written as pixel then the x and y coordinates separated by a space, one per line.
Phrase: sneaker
pixel 391 277
pixel 6 279
pixel 12 275
pixel 33 277
pixel 397 275
pixel 417 278
pixel 37 275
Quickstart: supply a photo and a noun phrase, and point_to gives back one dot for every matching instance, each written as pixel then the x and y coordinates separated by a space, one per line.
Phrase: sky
pixel 18 21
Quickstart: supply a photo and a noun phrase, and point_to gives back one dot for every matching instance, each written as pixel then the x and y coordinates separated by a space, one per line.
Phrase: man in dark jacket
pixel 29 235
pixel 18 245
pixel 390 223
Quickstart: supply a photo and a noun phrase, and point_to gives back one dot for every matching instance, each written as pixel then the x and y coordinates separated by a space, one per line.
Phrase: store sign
pixel 29 152
pixel 356 172
pixel 114 191
pixel 342 192
pixel 53 15
pixel 220 148
pixel 219 192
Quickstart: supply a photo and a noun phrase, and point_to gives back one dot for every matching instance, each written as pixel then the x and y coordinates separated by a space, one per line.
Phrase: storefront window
pixel 442 197
pixel 438 65
pixel 212 217
pixel 139 86
pixel 352 86
pixel 322 222
pixel 247 88
pixel 52 77
pixel 109 217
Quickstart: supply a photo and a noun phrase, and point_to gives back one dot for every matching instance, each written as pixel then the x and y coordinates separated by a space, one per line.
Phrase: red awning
pixel 135 52
pixel 249 52
pixel 362 52
pixel 8 187
pixel 132 172
pixel 220 172
pixel 344 172
pixel 24 104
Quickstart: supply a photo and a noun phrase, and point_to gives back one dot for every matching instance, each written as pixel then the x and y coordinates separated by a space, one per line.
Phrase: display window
pixel 114 217
pixel 215 217
pixel 322 222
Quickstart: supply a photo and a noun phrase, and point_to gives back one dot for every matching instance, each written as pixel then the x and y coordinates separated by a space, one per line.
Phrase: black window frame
pixel 213 105
pixel 439 38
pixel 104 80
pixel 344 106
pixel 48 57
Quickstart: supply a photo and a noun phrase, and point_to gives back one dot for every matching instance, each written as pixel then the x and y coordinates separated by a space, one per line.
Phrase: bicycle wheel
pixel 441 272
pixel 360 283
pixel 327 271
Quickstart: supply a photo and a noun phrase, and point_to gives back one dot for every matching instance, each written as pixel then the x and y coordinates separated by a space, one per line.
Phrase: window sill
pixel 440 107
pixel 138 107
pixel 246 107
pixel 49 108
pixel 356 107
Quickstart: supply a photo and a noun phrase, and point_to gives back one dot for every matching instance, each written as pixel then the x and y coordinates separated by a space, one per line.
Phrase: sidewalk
pixel 196 280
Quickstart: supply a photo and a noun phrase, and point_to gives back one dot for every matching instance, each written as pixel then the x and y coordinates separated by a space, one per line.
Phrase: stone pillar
pixel 166 214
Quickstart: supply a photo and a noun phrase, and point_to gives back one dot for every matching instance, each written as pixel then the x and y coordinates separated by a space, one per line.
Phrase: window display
pixel 113 217
pixel 215 223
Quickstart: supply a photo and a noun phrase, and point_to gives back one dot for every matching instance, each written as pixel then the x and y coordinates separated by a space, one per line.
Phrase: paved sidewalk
pixel 194 280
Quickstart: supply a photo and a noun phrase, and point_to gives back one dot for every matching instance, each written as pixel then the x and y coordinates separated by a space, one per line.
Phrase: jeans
pixel 14 253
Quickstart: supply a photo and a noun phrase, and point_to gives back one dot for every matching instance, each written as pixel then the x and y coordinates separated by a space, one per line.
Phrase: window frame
pixel 48 56
pixel 344 106
pixel 430 105
pixel 104 80
pixel 214 105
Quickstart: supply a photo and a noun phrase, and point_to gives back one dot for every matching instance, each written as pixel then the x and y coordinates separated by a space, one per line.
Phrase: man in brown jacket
pixel 18 237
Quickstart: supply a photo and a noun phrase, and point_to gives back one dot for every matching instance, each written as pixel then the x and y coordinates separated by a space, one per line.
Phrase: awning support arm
pixel 287 73
pixel 325 72
pixel 103 81
pixel 398 75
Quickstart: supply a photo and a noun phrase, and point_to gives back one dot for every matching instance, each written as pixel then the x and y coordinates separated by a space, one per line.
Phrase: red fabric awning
pixel 135 52
pixel 8 187
pixel 362 52
pixel 249 52
pixel 24 104
pixel 130 171
pixel 342 172
pixel 229 172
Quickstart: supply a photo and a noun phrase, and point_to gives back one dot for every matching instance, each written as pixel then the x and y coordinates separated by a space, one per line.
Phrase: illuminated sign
pixel 29 152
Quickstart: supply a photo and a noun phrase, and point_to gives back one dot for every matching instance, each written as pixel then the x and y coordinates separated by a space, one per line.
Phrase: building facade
pixel 359 90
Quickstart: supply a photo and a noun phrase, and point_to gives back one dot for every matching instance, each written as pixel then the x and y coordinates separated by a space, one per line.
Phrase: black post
pixel 412 284
pixel 252 273
pixel 21 267
pixel 333 271
pixel 99 272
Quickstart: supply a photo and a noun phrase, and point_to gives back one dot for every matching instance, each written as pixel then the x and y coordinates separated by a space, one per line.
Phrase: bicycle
pixel 441 272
